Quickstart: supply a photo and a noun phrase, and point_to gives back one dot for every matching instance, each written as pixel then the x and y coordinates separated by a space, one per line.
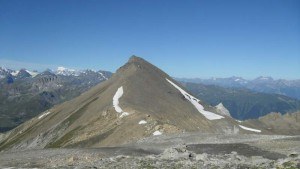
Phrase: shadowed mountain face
pixel 242 103
pixel 138 101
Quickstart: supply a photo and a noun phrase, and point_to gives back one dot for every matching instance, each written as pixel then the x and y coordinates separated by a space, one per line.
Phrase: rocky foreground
pixel 177 151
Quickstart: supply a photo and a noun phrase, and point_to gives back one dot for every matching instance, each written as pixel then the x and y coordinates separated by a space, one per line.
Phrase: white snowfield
pixel 142 122
pixel 157 133
pixel 116 98
pixel 250 129
pixel 195 102
pixel 43 115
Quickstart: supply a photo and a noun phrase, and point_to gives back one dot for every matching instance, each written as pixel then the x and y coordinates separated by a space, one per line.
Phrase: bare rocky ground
pixel 187 150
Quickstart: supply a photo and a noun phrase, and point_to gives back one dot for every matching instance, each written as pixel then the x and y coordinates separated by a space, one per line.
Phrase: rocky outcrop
pixel 221 109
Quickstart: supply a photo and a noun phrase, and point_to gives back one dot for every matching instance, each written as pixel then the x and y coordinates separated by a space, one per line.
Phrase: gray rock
pixel 201 157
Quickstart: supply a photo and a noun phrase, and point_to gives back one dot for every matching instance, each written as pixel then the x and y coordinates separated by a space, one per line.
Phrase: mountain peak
pixel 136 63
pixel 135 58
pixel 139 91
pixel 66 71
pixel 264 78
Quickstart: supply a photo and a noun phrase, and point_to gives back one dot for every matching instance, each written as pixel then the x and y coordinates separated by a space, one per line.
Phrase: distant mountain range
pixel 243 103
pixel 289 88
pixel 24 93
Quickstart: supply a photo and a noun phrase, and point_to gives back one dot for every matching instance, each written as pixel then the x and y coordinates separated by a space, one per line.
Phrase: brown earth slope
pixel 91 120
pixel 287 124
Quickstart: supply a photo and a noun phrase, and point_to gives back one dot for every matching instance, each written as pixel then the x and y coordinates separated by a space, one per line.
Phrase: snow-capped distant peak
pixel 33 74
pixel 3 69
pixel 4 72
pixel 264 78
pixel 66 72
pixel 61 69
pixel 15 73
pixel 103 75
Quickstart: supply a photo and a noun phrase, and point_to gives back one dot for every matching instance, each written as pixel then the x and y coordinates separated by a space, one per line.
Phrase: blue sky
pixel 192 38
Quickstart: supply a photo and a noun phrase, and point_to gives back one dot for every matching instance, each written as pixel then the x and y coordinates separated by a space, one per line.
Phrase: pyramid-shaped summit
pixel 138 101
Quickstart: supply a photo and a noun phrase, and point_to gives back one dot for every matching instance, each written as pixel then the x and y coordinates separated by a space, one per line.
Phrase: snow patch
pixel 124 114
pixel 116 102
pixel 116 98
pixel 195 102
pixel 33 74
pixel 15 73
pixel 250 129
pixel 239 121
pixel 157 133
pixel 142 122
pixel 43 115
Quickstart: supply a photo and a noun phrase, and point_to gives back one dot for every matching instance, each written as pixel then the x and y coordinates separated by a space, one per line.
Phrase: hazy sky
pixel 189 38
